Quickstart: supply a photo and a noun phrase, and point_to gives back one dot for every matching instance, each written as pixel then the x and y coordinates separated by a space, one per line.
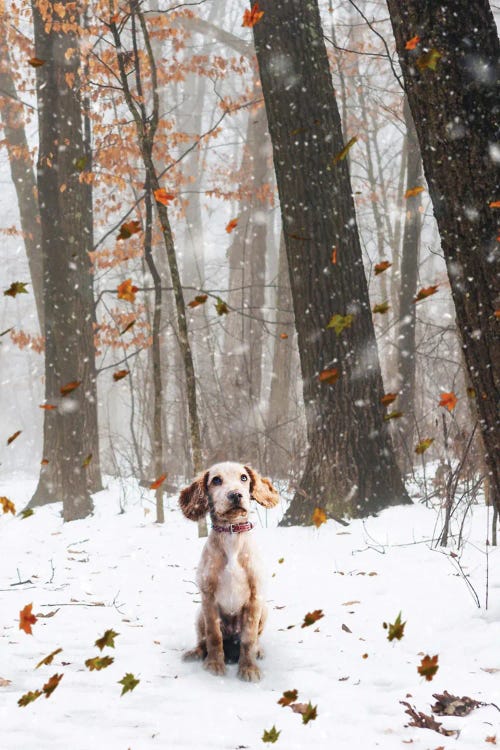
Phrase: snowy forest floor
pixel 122 571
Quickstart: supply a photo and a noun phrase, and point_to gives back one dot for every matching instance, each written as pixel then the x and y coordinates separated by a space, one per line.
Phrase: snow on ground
pixel 122 571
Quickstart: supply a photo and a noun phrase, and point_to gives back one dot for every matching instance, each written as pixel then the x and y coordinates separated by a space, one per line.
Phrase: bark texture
pixel 456 111
pixel 350 467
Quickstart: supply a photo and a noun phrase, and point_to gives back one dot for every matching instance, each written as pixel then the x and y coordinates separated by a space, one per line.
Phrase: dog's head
pixel 226 489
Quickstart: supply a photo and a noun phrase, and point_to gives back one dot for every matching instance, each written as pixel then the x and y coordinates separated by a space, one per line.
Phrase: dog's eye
pixel 243 477
pixel 217 480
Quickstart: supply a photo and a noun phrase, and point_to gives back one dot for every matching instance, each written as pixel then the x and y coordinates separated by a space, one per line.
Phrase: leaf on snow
pixel 17 287
pixel 128 682
pixel 396 629
pixel 27 698
pixel 423 721
pixel 428 667
pixel 451 705
pixel 307 711
pixel 27 619
pixel 51 684
pixel 48 659
pixel 271 735
pixel 311 617
pixel 108 639
pixel 7 505
pixel 99 662
pixel 318 517
pixel 288 697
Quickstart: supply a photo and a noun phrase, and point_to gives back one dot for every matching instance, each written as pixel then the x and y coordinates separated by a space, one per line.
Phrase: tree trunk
pixel 454 102
pixel 67 281
pixel 350 468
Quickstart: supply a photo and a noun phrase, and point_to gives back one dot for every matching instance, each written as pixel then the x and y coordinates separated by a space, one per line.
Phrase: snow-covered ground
pixel 122 571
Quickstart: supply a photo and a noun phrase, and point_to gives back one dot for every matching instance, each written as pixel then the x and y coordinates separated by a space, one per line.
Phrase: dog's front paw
pixel 195 654
pixel 215 666
pixel 249 672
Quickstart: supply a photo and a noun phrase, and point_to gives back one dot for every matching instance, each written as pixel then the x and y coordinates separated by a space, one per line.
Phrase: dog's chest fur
pixel 233 588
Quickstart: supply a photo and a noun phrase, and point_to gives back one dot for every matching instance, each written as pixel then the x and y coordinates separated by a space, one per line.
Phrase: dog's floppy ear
pixel 194 499
pixel 262 490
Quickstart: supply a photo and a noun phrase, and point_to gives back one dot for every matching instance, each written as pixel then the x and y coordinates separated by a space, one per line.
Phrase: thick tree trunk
pixel 407 310
pixel 350 468
pixel 67 281
pixel 454 102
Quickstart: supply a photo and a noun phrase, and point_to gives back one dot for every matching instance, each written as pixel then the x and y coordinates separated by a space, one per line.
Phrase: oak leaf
pixel 108 639
pixel 428 667
pixel 318 517
pixel 448 400
pixel 253 16
pixel 27 619
pixel 128 682
pixel 17 287
pixel 7 505
pixel 311 617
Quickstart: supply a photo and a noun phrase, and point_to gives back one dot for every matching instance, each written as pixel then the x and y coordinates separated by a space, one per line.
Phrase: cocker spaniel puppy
pixel 233 611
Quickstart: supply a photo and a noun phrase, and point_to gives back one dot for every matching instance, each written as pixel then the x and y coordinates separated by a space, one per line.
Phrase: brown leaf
pixel 126 290
pixel 381 308
pixel 250 18
pixel 36 62
pixel 65 390
pixel 7 505
pixel 128 229
pixel 423 721
pixel 428 667
pixel 161 196
pixel 200 299
pixel 429 60
pixel 17 287
pixel 289 696
pixel 425 292
pixel 99 662
pixel 221 307
pixel 27 698
pixel 48 407
pixel 451 705
pixel 329 376
pixel 388 398
pixel 13 437
pixel 51 684
pixel 307 711
pixel 120 374
pixel 311 617
pixel 231 225
pixel 382 266
pixel 346 629
pixel 48 659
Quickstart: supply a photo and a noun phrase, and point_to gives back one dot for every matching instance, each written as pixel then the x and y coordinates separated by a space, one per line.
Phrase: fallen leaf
pixel 289 696
pixel 451 705
pixel 99 662
pixel 343 153
pixel 396 629
pixel 346 629
pixel 7 505
pixel 492 738
pixel 36 62
pixel 429 60
pixel 428 667
pixel 13 437
pixel 382 266
pixel 426 292
pixel 412 43
pixel 17 287
pixel 311 617
pixel 232 225
pixel 381 308
pixel 388 398
pixel 340 322
pixel 414 191
pixel 4 682
pixel 250 18
pixel 48 659
pixel 423 721
pixel 120 374
pixel 200 299
pixel 318 517
pixel 128 229
pixel 129 682
pixel 51 684
pixel 423 445
pixel 126 290
pixel 108 639
pixel 161 196
pixel 448 400
pixel 307 711
pixel 281 560
pixel 27 619
pixel 65 390
pixel 27 698
pixel 158 482
pixel 329 376
pixel 271 735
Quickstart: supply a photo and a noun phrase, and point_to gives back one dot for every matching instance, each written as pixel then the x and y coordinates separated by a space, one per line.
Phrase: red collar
pixel 235 528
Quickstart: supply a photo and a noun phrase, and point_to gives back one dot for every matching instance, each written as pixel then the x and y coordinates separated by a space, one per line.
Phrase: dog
pixel 233 610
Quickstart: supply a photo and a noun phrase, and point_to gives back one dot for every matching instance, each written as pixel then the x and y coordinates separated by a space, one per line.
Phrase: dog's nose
pixel 235 497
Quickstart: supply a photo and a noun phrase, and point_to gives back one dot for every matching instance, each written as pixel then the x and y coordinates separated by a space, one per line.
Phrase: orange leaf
pixel 126 290
pixel 44 461
pixel 13 437
pixel 329 376
pixel 289 696
pixel 495 204
pixel 382 266
pixel 120 374
pixel 161 196
pixel 158 482
pixel 318 517
pixel 334 256
pixel 412 192
pixel 448 400
pixel 311 617
pixel 200 299
pixel 36 62
pixel 283 336
pixel 388 398
pixel 232 225
pixel 428 667
pixel 425 292
pixel 128 229
pixel 251 17
pixel 412 43
pixel 27 619
pixel 7 505
pixel 497 314
pixel 65 390
pixel 48 407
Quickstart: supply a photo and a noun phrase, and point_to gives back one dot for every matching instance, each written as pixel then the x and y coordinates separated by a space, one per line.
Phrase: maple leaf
pixel 128 229
pixel 289 696
pixel 329 376
pixel 17 287
pixel 429 60
pixel 126 290
pixel 47 407
pixel 232 225
pixel 423 445
pixel 7 505
pixel 393 415
pixel 340 322
pixel 221 307
pixel 343 153
pixel 26 513
pixel 51 684
pixel 396 629
pixel 161 196
pixel 425 292
pixel 251 17
pixel 158 482
pixel 65 390
pixel 448 400
pixel 27 698
pixel 271 735
pixel 307 710
pixel 200 299
pixel 99 662
pixel 27 619
pixel 129 683
pixel 428 667
pixel 108 639
pixel 414 191
pixel 381 308
pixel 311 617
pixel 13 437
pixel 120 374
pixel 36 62
pixel 86 461
pixel 388 398
pixel 412 43
pixel 318 517
pixel 48 659
pixel 382 266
